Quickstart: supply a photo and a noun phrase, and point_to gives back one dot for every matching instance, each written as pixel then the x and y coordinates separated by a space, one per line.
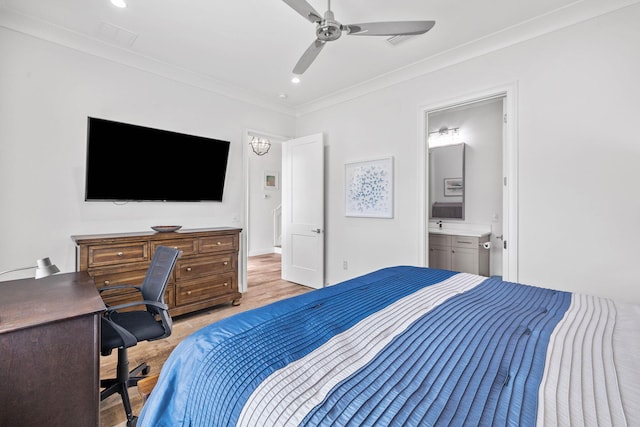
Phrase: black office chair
pixel 124 329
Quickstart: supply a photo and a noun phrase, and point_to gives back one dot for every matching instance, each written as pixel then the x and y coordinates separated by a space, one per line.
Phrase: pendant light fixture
pixel 260 145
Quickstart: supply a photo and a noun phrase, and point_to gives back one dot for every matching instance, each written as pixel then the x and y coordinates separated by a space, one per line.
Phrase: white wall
pixel 578 102
pixel 263 201
pixel 47 92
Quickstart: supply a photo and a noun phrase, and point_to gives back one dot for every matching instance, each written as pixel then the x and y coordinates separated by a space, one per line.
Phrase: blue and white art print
pixel 369 188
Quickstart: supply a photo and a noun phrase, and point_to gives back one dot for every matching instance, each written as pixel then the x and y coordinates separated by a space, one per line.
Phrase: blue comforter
pixel 399 346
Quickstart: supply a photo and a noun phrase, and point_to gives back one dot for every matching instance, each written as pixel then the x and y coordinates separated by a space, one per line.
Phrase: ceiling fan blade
pixel 308 56
pixel 389 28
pixel 304 9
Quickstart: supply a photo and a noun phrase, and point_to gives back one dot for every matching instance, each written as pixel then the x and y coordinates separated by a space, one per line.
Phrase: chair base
pixel 124 379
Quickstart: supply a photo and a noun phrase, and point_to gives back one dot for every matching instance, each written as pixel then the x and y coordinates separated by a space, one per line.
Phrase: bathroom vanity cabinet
pixel 459 253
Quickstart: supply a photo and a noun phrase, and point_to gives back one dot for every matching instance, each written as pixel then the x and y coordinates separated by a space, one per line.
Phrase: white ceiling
pixel 247 48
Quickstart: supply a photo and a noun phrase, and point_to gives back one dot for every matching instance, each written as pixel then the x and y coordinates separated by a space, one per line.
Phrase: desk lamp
pixel 43 268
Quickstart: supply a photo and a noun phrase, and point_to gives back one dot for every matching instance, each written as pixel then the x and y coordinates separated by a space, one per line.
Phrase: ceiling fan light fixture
pixel 295 80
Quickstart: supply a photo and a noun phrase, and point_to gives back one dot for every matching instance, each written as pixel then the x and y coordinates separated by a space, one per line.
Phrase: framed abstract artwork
pixel 369 188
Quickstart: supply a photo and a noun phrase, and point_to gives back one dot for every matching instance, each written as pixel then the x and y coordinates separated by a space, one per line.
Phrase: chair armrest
pixel 128 338
pixel 135 303
pixel 109 288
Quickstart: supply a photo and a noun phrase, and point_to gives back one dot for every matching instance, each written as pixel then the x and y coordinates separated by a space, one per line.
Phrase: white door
pixel 303 211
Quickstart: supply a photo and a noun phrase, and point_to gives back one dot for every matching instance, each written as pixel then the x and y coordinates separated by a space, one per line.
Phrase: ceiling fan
pixel 328 29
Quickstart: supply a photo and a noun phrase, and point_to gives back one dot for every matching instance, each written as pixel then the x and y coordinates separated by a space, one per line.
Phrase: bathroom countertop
pixel 459 232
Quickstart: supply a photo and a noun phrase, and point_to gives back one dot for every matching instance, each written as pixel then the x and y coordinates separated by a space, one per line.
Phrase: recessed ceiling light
pixel 119 3
pixel 295 80
pixel 283 96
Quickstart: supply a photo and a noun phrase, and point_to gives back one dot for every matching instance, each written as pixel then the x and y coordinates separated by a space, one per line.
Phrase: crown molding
pixel 558 19
pixel 572 14
pixel 15 21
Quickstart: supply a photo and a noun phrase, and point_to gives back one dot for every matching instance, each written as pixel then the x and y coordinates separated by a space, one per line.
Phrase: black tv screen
pixel 126 162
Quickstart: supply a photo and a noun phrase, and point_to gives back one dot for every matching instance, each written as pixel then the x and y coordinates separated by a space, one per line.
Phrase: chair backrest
pixel 156 279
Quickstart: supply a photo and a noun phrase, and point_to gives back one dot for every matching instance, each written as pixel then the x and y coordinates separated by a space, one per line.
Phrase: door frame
pixel 509 169
pixel 243 285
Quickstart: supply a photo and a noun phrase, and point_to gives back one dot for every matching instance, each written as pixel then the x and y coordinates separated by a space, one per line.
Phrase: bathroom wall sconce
pixel 43 268
pixel 444 136
pixel 259 145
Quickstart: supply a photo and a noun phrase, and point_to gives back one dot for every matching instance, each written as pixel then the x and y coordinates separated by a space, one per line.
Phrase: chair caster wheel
pixel 146 370
pixel 132 422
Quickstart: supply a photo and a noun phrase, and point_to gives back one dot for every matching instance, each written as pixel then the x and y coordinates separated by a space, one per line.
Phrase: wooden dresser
pixel 50 351
pixel 205 275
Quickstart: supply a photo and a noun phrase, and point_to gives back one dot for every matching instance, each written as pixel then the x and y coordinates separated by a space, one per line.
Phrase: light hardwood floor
pixel 265 286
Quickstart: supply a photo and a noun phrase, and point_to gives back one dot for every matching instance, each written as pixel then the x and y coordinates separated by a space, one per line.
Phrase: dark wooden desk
pixel 49 351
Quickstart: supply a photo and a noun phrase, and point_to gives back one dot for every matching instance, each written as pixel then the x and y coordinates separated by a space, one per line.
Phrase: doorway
pixel 485 125
pixel 303 263
pixel 263 197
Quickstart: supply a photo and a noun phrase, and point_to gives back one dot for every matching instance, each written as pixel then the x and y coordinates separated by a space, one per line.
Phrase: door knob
pixel 317 230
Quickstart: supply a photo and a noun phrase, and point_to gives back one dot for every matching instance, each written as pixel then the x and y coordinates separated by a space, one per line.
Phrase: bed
pixel 409 346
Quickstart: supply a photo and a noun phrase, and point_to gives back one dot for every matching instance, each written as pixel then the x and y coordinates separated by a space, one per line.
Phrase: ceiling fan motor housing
pixel 329 29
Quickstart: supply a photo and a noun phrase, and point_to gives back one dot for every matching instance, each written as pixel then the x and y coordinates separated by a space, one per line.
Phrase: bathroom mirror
pixel 446 182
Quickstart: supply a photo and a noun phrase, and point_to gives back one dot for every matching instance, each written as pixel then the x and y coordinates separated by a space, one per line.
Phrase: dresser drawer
pixel 123 296
pixel 187 269
pixel 120 296
pixel 214 244
pixel 113 278
pixel 205 288
pixel 118 254
pixel 187 246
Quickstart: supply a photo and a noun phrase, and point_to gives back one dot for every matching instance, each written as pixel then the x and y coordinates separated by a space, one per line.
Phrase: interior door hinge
pixel 504 181
pixel 504 244
pixel 504 117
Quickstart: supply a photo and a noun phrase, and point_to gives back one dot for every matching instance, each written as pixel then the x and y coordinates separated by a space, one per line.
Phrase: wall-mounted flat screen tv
pixel 127 162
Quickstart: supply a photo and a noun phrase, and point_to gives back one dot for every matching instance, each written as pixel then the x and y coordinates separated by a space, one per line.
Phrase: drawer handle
pixel 106 282
pixel 188 292
pixel 226 263
pixel 175 247
pixel 226 284
pixel 219 243
pixel 120 254
pixel 188 268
